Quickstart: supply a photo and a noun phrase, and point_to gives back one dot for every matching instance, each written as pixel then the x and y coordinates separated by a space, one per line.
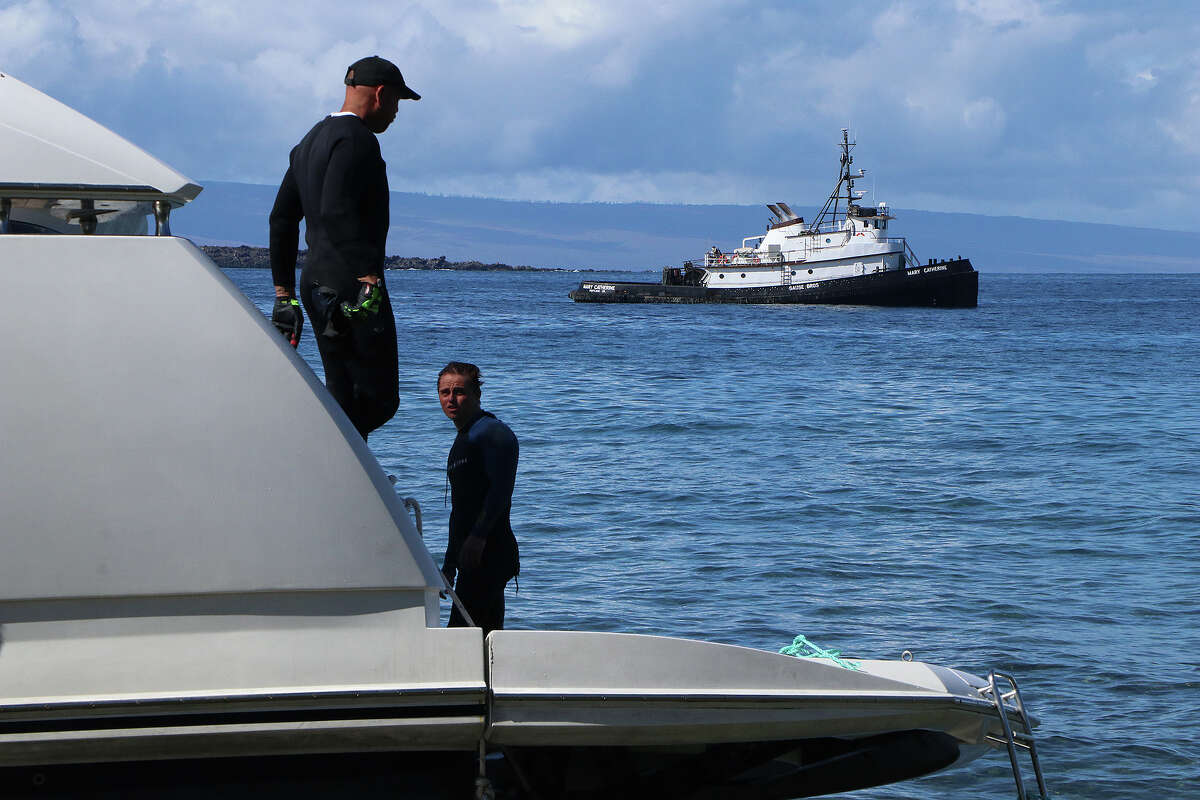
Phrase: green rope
pixel 803 648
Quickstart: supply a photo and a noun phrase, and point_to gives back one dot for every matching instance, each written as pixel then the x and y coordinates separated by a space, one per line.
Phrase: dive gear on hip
pixel 327 320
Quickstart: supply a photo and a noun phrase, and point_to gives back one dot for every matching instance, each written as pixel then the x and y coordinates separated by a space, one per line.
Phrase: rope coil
pixel 803 648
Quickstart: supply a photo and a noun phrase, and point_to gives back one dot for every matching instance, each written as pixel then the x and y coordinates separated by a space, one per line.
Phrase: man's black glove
pixel 370 299
pixel 287 317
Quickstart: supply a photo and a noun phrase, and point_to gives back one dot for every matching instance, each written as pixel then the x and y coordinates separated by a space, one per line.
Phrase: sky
pixel 1071 110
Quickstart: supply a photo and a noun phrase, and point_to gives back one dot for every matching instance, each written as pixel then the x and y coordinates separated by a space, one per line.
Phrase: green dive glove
pixel 287 317
pixel 370 300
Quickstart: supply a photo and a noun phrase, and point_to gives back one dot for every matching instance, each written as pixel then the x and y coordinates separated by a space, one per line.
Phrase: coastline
pixel 247 257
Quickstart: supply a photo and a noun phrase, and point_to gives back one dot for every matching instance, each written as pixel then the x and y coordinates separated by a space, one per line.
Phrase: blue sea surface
pixel 1011 487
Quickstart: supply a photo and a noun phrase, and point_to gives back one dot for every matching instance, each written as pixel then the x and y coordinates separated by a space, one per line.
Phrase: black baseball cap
pixel 376 71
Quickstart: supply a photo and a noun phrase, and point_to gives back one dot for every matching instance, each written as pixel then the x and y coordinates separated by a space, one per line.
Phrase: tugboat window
pixel 810 272
pixel 722 275
pixel 793 272
pixel 743 274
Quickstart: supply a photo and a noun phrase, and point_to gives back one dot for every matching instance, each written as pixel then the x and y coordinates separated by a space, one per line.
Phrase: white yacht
pixel 208 584
pixel 846 255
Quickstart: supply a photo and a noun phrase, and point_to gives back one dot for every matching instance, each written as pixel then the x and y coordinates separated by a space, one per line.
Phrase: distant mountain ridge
pixel 646 236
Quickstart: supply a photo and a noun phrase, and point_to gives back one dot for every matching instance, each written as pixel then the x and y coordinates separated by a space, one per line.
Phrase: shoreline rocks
pixel 246 257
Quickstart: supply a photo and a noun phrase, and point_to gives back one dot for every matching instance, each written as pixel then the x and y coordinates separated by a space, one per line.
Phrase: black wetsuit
pixel 482 469
pixel 337 182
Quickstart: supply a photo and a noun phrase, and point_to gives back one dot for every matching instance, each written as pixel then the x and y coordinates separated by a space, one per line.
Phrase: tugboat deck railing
pixel 758 258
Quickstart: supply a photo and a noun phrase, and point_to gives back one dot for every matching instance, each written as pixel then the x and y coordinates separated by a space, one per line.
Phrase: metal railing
pixel 413 507
pixel 754 259
pixel 729 260
pixel 1014 740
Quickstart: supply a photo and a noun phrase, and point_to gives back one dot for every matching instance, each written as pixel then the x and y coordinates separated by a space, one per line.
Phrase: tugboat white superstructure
pixel 846 255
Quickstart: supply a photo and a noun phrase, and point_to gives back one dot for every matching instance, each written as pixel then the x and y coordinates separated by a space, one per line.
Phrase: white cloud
pixel 1142 80
pixel 36 34
pixel 581 186
pixel 999 13
pixel 1182 125
pixel 701 101
pixel 616 69
pixel 943 73
pixel 983 116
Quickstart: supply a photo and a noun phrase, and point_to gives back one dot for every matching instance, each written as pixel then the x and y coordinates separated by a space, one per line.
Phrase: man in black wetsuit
pixel 337 182
pixel 482 469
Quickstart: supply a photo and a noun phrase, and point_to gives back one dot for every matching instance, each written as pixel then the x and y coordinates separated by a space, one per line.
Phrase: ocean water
pixel 1014 487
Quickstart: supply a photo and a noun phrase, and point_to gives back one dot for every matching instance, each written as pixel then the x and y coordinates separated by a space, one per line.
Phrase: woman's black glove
pixel 288 319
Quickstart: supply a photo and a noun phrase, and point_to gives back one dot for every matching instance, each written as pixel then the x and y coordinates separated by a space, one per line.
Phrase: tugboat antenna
pixel 830 209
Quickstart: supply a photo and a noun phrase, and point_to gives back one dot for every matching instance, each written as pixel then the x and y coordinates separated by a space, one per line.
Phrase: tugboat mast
pixel 829 212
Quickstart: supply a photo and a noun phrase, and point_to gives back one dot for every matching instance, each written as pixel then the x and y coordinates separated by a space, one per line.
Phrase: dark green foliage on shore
pixel 246 257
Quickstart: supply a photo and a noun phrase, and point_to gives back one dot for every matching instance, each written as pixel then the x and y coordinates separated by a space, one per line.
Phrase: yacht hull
pixel 565 714
pixel 951 284
pixel 758 770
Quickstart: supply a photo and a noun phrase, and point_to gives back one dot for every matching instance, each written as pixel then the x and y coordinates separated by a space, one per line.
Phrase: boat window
pixel 20 226
pixel 722 275
pixel 743 274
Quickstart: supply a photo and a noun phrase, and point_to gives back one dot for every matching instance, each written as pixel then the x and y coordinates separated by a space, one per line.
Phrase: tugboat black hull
pixel 949 284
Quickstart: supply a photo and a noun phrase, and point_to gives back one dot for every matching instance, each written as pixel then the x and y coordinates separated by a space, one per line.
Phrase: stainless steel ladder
pixel 1015 740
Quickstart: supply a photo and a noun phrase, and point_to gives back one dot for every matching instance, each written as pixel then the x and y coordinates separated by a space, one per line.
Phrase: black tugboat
pixel 844 256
